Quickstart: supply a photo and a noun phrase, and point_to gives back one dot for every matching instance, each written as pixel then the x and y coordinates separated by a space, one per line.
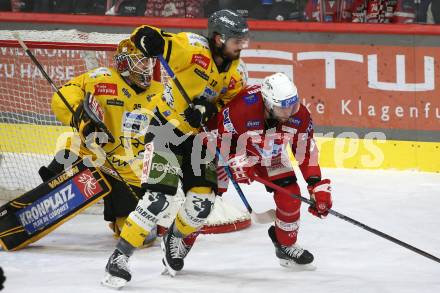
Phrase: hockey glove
pixel 149 42
pixel 242 168
pixel 203 110
pixel 320 193
pixel 85 126
pixel 88 119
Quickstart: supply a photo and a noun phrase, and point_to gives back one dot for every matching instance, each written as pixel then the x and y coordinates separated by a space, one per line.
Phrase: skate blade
pixel 167 270
pixel 113 282
pixel 290 264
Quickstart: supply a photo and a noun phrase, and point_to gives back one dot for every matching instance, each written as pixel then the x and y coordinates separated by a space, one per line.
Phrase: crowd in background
pixel 368 11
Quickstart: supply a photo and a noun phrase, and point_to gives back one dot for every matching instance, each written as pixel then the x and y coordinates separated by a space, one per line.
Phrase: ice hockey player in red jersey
pixel 261 122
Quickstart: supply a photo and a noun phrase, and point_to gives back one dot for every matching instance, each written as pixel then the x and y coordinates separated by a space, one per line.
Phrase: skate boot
pixel 289 255
pixel 174 251
pixel 117 272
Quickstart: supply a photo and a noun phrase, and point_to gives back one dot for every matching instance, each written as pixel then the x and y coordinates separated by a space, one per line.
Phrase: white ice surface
pixel 348 259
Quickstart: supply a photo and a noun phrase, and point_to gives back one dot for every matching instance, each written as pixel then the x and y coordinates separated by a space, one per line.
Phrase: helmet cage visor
pixel 137 67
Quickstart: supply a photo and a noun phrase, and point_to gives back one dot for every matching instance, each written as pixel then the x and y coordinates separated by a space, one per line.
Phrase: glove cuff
pixel 312 180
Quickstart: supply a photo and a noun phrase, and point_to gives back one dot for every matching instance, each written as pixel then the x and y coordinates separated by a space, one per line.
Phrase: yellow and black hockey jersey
pixel 190 58
pixel 126 114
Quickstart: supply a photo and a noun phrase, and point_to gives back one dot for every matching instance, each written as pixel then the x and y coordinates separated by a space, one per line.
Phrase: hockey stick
pixel 69 107
pixel 348 219
pixel 261 218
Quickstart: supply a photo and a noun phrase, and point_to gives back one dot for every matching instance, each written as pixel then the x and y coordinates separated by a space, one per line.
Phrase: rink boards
pixel 349 152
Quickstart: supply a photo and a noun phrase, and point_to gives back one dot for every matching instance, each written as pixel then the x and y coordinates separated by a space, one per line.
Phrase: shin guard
pixel 287 215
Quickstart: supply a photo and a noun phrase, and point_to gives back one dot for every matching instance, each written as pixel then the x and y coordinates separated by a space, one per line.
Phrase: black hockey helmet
pixel 228 24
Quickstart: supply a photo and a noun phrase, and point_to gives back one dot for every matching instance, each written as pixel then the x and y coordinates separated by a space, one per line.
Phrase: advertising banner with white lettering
pixel 357 86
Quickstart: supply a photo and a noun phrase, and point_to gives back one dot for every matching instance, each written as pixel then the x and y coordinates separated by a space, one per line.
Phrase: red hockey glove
pixel 242 168
pixel 320 193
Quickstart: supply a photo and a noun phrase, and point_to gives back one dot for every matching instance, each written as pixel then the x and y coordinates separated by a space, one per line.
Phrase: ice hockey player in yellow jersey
pixel 127 95
pixel 210 72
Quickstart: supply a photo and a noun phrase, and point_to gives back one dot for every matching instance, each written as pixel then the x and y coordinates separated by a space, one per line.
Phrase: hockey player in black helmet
pixel 211 72
pixel 228 34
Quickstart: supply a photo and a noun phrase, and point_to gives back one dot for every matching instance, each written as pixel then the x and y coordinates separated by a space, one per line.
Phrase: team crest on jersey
pixel 232 83
pixel 107 89
pixel 100 71
pixel 201 60
pixel 250 99
pixel 134 122
pixel 166 113
pixel 224 90
pixel 270 150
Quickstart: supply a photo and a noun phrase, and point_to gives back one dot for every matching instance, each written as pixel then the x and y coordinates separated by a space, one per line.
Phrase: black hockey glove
pixel 2 278
pixel 82 122
pixel 203 110
pixel 149 42
pixel 88 119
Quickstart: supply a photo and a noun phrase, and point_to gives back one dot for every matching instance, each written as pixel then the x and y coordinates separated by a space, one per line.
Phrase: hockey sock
pixel 125 247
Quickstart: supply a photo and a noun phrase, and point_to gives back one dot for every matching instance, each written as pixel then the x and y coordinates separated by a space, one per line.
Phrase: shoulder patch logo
pixel 250 99
pixel 100 71
pixel 201 60
pixel 197 40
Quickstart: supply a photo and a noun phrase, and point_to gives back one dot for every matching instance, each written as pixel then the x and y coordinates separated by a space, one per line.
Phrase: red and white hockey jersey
pixel 243 119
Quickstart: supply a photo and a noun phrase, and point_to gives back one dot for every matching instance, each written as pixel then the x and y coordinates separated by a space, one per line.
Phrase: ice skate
pixel 290 256
pixel 174 251
pixel 117 272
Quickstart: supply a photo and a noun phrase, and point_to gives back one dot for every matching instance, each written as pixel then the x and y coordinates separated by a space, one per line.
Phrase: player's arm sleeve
pixel 74 93
pixel 306 153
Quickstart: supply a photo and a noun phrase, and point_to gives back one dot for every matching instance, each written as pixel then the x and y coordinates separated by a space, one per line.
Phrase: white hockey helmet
pixel 280 95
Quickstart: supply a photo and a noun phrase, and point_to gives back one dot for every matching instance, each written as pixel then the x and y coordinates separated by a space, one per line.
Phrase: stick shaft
pixel 351 221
